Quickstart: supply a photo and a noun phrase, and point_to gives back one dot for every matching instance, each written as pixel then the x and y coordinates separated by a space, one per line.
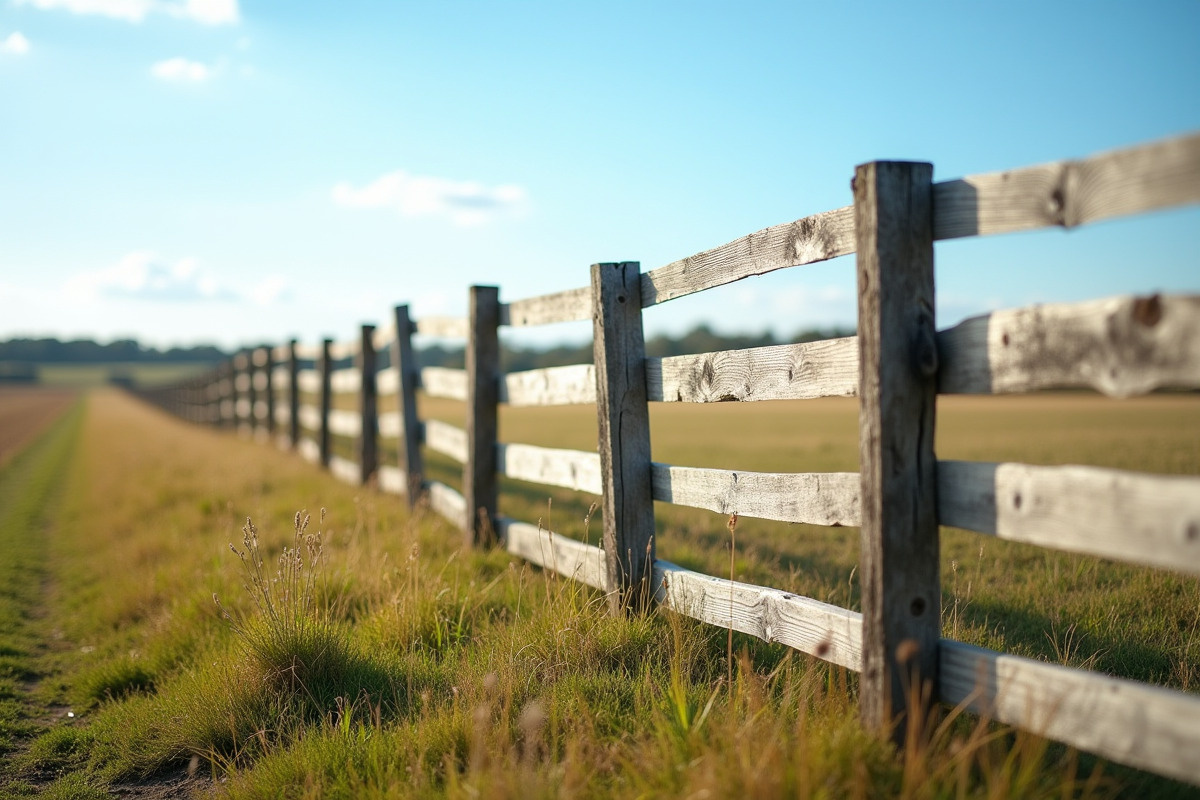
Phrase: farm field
pixel 141 374
pixel 441 672
pixel 26 412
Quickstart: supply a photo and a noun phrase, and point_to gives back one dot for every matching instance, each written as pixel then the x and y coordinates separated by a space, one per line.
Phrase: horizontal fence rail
pixel 299 395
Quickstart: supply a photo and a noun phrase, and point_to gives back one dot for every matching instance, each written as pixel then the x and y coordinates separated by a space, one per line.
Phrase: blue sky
pixel 188 171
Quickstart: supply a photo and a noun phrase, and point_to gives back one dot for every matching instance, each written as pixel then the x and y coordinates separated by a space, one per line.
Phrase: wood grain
pixel 779 372
pixel 576 560
pixel 806 241
pixel 552 386
pixel 1129 722
pixel 810 626
pixel 811 498
pixel 565 306
pixel 899 559
pixel 1070 193
pixel 624 434
pixel 572 469
pixel 483 400
pixel 1121 346
pixel 1128 516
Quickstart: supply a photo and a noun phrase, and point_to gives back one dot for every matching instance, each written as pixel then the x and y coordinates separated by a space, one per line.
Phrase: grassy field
pixel 77 376
pixel 409 668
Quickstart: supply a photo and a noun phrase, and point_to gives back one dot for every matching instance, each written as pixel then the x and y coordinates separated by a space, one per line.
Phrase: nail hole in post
pixel 918 606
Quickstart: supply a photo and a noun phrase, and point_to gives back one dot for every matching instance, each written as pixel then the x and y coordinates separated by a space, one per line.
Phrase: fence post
pixel 239 392
pixel 326 399
pixel 269 370
pixel 368 406
pixel 252 389
pixel 293 395
pixel 899 574
pixel 483 398
pixel 409 451
pixel 623 418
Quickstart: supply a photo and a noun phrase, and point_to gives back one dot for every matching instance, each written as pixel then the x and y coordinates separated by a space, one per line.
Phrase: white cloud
pixel 463 202
pixel 206 12
pixel 15 44
pixel 181 70
pixel 141 275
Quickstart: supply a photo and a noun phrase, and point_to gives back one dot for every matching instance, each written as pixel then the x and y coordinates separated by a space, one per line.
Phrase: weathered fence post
pixel 240 377
pixel 228 395
pixel 252 390
pixel 326 367
pixel 293 395
pixel 899 574
pixel 623 418
pixel 409 451
pixel 269 389
pixel 483 399
pixel 368 407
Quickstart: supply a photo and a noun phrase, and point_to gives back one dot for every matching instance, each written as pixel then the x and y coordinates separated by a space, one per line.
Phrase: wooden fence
pixel 897 365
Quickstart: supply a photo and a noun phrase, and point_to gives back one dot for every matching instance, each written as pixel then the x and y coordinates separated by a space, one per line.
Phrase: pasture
pixel 463 673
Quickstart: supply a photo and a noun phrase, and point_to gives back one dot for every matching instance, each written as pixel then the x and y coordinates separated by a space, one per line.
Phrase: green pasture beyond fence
pixel 896 365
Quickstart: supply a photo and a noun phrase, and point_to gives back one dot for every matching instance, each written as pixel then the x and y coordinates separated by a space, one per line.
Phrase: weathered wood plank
pixel 572 469
pixel 899 562
pixel 384 336
pixel 819 237
pixel 483 400
pixel 447 439
pixel 447 502
pixel 576 560
pixel 392 480
pixel 780 372
pixel 552 386
pixel 346 380
pixel 387 382
pixel 1143 726
pixel 308 381
pixel 391 425
pixel 1070 193
pixel 310 418
pixel 443 382
pixel 1128 516
pixel 624 433
pixel 1121 346
pixel 829 498
pixel 565 306
pixel 345 470
pixel 443 327
pixel 810 626
pixel 341 351
pixel 308 352
pixel 405 363
pixel 343 422
pixel 309 450
pixel 368 406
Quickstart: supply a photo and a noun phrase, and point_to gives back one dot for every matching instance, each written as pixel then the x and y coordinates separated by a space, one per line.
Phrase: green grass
pixel 396 665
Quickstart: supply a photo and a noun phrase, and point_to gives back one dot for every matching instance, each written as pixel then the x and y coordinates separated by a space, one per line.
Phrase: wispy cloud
pixel 14 44
pixel 206 12
pixel 181 70
pixel 462 202
pixel 143 276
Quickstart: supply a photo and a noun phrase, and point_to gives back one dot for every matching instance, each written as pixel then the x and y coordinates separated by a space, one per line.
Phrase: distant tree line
pixel 701 339
pixel 86 351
